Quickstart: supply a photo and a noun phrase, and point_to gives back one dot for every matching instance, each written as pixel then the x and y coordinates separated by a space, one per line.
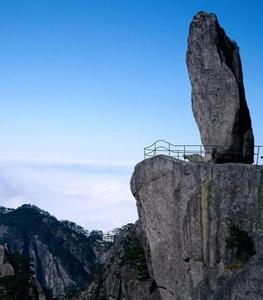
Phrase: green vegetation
pixel 64 240
pixel 72 246
pixel 241 245
pixel 17 287
pixel 96 236
pixel 48 293
pixel 134 256
pixel 71 291
pixel 234 266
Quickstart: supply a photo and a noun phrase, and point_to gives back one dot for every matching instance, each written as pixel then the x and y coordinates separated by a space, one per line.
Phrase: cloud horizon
pixel 95 196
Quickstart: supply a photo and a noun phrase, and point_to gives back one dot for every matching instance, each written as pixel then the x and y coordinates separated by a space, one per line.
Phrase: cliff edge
pixel 203 226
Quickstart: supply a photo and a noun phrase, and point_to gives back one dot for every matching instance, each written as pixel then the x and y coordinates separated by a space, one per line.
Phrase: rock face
pixel 203 225
pixel 16 280
pixel 62 254
pixel 5 267
pixel 125 272
pixel 218 95
pixel 69 263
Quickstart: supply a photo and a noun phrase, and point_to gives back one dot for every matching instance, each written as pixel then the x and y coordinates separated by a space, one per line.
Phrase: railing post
pixel 258 154
pixel 169 149
pixel 184 152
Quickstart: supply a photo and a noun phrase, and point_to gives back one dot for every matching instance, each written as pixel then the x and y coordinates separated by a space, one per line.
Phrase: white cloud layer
pixel 93 196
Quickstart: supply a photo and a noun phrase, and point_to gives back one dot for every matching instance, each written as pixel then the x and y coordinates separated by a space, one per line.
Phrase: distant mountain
pixel 70 263
pixel 64 254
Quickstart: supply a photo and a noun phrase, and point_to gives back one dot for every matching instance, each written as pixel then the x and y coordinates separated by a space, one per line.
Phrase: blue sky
pixel 96 81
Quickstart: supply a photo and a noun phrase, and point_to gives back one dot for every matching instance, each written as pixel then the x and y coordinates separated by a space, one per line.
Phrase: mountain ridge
pixel 63 253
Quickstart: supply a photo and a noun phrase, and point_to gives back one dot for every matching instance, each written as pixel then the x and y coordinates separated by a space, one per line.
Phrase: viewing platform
pixel 198 152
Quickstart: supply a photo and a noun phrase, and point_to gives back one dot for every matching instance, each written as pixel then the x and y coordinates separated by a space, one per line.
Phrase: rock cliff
pixel 63 255
pixel 16 277
pixel 6 268
pixel 200 229
pixel 218 94
pixel 203 226
pixel 124 274
pixel 67 262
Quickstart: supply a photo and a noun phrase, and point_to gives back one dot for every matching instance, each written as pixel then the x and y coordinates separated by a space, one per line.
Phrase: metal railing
pixel 181 151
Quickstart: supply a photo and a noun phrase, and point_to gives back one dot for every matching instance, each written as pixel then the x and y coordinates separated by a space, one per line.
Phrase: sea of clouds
pixel 95 196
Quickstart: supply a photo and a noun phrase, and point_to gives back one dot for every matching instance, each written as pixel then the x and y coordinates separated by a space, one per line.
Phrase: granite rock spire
pixel 218 95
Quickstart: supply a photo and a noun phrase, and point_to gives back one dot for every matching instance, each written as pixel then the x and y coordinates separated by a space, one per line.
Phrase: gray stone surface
pixel 2 254
pixel 186 210
pixel 56 277
pixel 54 247
pixel 218 95
pixel 5 268
pixel 197 158
pixel 122 278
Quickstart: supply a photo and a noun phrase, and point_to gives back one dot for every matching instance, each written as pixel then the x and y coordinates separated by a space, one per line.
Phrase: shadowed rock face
pixel 218 96
pixel 125 275
pixel 61 255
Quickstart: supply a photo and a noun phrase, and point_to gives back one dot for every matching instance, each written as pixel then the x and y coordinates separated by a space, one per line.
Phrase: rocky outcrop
pixel 67 262
pixel 124 274
pixel 63 255
pixel 16 280
pixel 6 268
pixel 49 268
pixel 218 95
pixel 203 225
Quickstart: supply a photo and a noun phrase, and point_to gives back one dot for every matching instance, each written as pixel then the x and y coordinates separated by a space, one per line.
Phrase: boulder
pixel 6 268
pixel 197 158
pixel 218 95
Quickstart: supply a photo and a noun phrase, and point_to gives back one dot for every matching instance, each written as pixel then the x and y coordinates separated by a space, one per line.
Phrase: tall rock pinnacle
pixel 218 95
